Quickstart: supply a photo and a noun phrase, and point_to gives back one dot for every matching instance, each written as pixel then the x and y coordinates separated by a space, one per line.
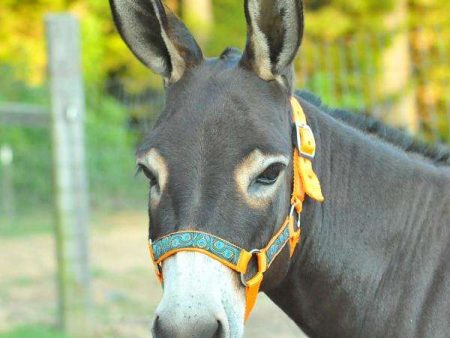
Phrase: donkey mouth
pixel 202 298
pixel 203 327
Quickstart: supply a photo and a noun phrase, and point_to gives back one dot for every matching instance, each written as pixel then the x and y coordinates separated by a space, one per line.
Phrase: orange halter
pixel 305 181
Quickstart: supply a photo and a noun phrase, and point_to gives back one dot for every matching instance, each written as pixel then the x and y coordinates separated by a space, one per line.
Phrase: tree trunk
pixel 198 16
pixel 396 84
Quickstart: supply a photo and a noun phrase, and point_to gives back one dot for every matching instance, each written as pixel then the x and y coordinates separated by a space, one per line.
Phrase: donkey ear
pixel 156 36
pixel 274 34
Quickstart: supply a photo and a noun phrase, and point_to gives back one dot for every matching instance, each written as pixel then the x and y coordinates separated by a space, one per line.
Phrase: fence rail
pixel 19 114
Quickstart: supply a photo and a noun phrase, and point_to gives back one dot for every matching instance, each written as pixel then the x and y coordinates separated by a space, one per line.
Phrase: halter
pixel 305 181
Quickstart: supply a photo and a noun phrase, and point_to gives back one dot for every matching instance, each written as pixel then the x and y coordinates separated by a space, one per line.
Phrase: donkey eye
pixel 270 175
pixel 151 177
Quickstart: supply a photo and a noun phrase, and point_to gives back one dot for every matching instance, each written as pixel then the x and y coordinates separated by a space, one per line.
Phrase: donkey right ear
pixel 156 36
pixel 274 34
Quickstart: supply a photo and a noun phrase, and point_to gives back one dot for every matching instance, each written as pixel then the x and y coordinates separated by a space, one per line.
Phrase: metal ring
pixel 291 212
pixel 252 252
pixel 243 281
pixel 299 221
pixel 159 266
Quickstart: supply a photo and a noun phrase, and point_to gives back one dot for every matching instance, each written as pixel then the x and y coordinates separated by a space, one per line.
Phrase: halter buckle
pixel 306 153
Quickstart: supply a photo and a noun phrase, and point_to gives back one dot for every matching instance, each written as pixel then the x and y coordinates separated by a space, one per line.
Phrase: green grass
pixel 33 332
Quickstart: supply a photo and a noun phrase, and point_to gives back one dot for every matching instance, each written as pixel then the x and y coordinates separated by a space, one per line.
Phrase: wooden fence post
pixel 71 186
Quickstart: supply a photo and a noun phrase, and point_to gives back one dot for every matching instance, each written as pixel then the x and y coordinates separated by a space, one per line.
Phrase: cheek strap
pixel 305 182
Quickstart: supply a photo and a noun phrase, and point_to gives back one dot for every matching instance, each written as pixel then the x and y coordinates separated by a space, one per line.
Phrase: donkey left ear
pixel 274 34
pixel 157 37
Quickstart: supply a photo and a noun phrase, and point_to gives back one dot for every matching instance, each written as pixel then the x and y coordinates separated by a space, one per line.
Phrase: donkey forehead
pixel 217 110
pixel 223 86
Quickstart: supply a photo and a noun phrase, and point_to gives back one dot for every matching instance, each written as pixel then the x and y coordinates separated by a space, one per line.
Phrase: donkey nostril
pixel 156 327
pixel 220 332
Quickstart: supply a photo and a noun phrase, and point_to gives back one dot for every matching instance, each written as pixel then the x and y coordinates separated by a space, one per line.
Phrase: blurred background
pixel 385 58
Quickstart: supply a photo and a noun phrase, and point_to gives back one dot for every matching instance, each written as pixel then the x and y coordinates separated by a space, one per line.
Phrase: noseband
pixel 305 182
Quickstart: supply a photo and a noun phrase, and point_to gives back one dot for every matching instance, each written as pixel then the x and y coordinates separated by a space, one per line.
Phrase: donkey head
pixel 219 157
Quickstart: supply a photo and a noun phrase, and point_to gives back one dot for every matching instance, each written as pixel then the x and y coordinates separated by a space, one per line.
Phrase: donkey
pixel 374 257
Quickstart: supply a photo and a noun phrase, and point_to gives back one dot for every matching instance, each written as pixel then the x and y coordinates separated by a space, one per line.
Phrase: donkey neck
pixel 385 212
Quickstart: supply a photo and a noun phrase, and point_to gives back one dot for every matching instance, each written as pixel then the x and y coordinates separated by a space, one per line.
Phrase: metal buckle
pixel 298 139
pixel 252 252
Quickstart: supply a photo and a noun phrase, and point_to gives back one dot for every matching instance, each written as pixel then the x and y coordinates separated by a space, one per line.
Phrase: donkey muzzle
pixel 202 298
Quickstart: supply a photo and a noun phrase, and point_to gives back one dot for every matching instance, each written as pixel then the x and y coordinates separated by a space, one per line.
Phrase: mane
pixel 230 52
pixel 438 154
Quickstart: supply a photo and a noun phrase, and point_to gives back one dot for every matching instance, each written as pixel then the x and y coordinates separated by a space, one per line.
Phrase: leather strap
pixel 305 179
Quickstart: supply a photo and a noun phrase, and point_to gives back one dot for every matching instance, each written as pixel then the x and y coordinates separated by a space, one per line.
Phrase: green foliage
pixel 109 154
pixel 14 89
pixel 104 53
pixel 340 60
pixel 229 28
pixel 333 19
pixel 31 146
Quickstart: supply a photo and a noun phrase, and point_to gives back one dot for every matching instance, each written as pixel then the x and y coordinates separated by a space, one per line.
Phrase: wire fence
pixel 349 73
pixel 375 74
pixel 345 74
pixel 366 74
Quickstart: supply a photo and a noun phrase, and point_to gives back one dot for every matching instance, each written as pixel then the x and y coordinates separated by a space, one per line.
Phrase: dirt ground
pixel 125 290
